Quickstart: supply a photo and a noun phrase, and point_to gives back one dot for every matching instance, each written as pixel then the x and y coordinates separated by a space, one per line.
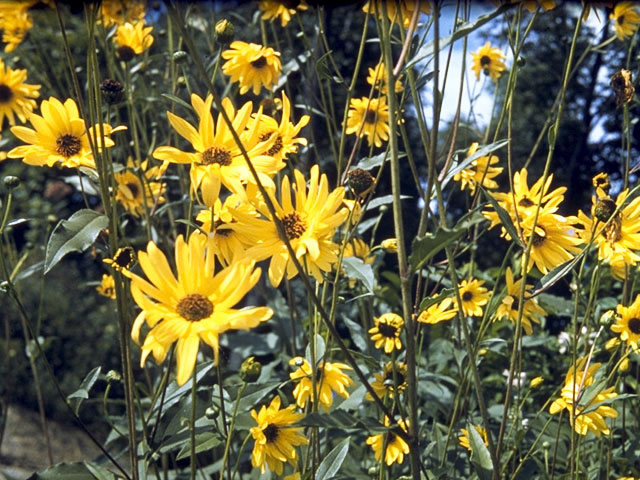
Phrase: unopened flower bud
pixel 224 31
pixel 211 413
pixel 521 61
pixel 360 181
pixel 113 376
pixel 250 370
pixel 390 245
pixel 604 209
pixel 112 91
pixel 180 56
pixel 546 444
pixel 11 182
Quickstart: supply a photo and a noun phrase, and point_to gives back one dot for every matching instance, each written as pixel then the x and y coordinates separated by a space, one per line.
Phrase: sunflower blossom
pixel 618 242
pixel 285 140
pixel 132 40
pixel 399 11
pixel 392 381
pixel 438 312
pixel 276 437
pixel 14 23
pixel 136 195
pixel 60 137
pixel 369 117
pixel 216 152
pixel 309 226
pixel 107 287
pixel 479 172
pixel 378 78
pixel 195 305
pixel 625 18
pixel 474 296
pixel 488 60
pixel 386 333
pixel 463 439
pixel 16 96
pixel 628 324
pixel 253 66
pixel 329 379
pixel 273 9
pixel 396 447
pixel 531 311
pixel 582 415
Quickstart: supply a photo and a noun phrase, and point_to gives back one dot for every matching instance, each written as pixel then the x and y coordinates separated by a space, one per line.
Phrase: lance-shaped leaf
pixel 333 461
pixel 73 235
pixel 480 456
pixel 505 218
pixel 424 248
pixel 481 152
pixel 82 393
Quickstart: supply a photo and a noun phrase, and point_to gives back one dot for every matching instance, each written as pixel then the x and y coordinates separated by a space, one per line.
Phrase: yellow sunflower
pixel 480 170
pixel 509 306
pixel 392 381
pixel 252 65
pixel 369 117
pixel 119 12
pixel 439 312
pixel 396 447
pixel 14 25
pixel 123 259
pixel 399 11
pixel 60 136
pixel 329 379
pixel 378 78
pixel 309 226
pixel 474 296
pixel 464 436
pixel 273 9
pixel 195 305
pixel 628 324
pixel 285 140
pixel 276 437
pixel 216 152
pixel 360 249
pixel 619 241
pixel 625 18
pixel 585 416
pixel 132 40
pixel 107 287
pixel 16 97
pixel 488 60
pixel 132 194
pixel 386 333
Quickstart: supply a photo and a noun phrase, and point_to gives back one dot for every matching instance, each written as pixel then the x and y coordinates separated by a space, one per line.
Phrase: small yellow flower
pixel 15 26
pixel 273 9
pixel 386 333
pixel 464 437
pixel 369 117
pixel 480 170
pixel 122 260
pixel 16 96
pixel 133 194
pixel 531 311
pixel 625 18
pixel 439 312
pixel 488 60
pixel 132 40
pixel 253 66
pixel 536 381
pixel 378 78
pixel 276 437
pixel 396 449
pixel 329 379
pixel 392 381
pixel 107 287
pixel 474 296
pixel 390 245
pixel 628 324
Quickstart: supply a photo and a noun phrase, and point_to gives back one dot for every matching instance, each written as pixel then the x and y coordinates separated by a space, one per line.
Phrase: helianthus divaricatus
pixel 392 381
pixel 396 447
pixel 273 9
pixel 474 297
pixel 399 11
pixel 253 66
pixel 15 22
pixel 628 324
pixel 386 332
pixel 60 136
pixel 531 311
pixel 369 117
pixel 107 287
pixel 330 379
pixel 378 78
pixel 136 195
pixel 583 416
pixel 438 312
pixel 488 60
pixel 196 304
pixel 276 436
pixel 625 18
pixel 16 96
pixel 132 40
pixel 480 170
pixel 463 439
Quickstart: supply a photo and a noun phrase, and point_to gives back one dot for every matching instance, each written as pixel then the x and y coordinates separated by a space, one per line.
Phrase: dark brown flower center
pixel 6 94
pixel 539 239
pixel 634 325
pixel 259 62
pixel 515 304
pixel 387 330
pixel 467 296
pixel 294 227
pixel 133 188
pixel 123 258
pixel 68 145
pixel 271 433
pixel 485 61
pixel 277 146
pixel 613 232
pixel 125 53
pixel 217 155
pixel 194 307
pixel 370 116
pixel 218 227
pixel 526 202
pixel 620 19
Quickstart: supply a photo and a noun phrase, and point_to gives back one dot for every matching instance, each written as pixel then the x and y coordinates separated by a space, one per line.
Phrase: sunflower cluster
pixel 274 9
pixel 132 36
pixel 15 22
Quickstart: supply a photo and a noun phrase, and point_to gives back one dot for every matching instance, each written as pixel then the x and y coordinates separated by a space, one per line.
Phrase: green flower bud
pixel 224 30
pixel 250 370
pixel 11 182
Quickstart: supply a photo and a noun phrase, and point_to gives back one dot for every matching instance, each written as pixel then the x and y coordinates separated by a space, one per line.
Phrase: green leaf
pixel 73 471
pixel 428 301
pixel 342 420
pixel 74 235
pixel 608 401
pixel 423 249
pixel 356 268
pixel 333 461
pixel 82 393
pixel 505 218
pixel 376 202
pixel 480 456
pixel 204 441
pixel 481 152
pixel 179 101
pixel 368 163
pixel 554 275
